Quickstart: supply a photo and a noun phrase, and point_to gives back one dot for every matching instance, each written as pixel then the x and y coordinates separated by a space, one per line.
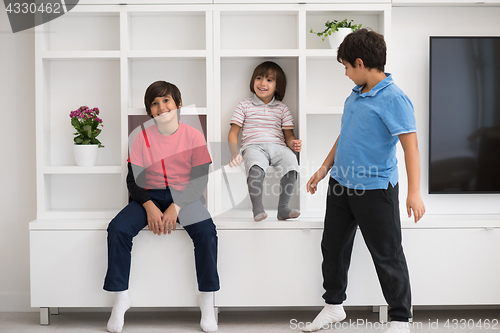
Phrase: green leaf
pixel 88 130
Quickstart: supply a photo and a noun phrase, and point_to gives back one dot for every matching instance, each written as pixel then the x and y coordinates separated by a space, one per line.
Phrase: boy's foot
pixel 331 313
pixel 117 318
pixel 259 217
pixel 206 304
pixel 287 213
pixel 398 327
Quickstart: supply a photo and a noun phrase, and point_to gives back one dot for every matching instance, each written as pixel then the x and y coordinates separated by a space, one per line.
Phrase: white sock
pixel 206 304
pixel 121 305
pixel 331 313
pixel 398 327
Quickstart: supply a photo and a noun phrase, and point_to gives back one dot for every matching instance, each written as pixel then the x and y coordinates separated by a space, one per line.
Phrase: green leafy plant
pixel 331 27
pixel 87 123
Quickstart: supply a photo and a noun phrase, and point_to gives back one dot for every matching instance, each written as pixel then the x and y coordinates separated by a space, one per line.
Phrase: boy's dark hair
pixel 271 69
pixel 162 89
pixel 367 45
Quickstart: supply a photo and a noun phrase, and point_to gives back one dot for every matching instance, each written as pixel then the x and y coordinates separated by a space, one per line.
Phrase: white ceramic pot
pixel 85 155
pixel 338 37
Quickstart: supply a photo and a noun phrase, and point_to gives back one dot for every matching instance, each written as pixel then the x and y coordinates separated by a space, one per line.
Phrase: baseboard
pixel 16 302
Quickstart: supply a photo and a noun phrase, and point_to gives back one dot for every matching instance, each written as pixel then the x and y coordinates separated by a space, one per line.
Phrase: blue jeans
pixel 194 218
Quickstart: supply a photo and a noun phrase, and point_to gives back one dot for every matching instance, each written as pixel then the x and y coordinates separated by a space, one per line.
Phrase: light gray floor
pixel 246 321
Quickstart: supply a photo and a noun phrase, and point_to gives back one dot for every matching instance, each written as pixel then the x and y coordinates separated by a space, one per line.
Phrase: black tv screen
pixel 464 154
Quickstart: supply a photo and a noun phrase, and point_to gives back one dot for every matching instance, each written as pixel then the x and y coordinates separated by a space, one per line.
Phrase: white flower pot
pixel 336 38
pixel 85 155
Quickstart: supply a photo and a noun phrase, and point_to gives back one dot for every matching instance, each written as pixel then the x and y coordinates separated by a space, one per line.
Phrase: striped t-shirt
pixel 262 123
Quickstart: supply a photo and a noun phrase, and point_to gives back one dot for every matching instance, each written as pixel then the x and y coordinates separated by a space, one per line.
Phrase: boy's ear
pixel 359 63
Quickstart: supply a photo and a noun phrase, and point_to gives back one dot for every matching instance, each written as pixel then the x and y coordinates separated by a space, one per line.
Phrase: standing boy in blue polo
pixel 363 182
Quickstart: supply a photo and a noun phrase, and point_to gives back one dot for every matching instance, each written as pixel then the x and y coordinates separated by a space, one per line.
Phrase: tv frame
pixel 430 116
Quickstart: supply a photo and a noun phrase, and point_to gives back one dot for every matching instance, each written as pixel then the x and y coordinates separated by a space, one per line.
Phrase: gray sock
pixel 255 182
pixel 287 184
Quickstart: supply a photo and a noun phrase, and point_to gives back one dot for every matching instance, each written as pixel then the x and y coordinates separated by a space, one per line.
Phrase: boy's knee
pixel 115 227
pixel 203 230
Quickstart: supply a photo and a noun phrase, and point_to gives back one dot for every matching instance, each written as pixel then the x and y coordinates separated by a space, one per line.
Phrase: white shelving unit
pixel 106 56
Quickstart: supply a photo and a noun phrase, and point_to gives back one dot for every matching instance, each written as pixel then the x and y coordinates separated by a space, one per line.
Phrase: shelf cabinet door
pixel 283 268
pixel 68 269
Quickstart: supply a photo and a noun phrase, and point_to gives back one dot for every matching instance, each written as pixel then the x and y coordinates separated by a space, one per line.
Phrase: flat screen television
pixel 464 154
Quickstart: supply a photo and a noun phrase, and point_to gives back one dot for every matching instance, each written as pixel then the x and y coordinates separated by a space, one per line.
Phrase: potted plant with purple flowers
pixel 88 126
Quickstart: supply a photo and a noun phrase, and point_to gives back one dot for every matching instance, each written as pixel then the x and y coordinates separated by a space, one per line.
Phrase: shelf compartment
pixel 66 194
pixel 189 75
pixel 78 31
pixel 316 20
pixel 250 30
pixel 327 85
pixel 318 147
pixel 235 77
pixel 167 30
pixel 70 84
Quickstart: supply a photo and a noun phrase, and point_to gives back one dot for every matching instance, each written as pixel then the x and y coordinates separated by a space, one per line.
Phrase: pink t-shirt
pixel 168 159
pixel 262 123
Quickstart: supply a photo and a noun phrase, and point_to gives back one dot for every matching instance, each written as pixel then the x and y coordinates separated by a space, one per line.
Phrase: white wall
pixel 411 28
pixel 17 176
pixel 409 64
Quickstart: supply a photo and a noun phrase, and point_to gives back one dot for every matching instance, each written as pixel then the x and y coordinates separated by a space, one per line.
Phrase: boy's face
pixel 164 109
pixel 356 74
pixel 265 87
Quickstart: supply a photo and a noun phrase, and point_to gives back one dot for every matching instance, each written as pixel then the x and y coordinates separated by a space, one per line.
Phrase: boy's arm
pixel 291 141
pixel 232 140
pixel 139 194
pixel 323 170
pixel 412 160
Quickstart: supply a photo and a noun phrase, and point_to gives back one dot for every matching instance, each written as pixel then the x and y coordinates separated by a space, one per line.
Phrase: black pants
pixel 377 214
pixel 194 218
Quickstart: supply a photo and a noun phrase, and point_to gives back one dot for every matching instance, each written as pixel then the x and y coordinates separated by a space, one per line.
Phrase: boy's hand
pixel 296 145
pixel 414 202
pixel 170 218
pixel 312 184
pixel 235 160
pixel 154 217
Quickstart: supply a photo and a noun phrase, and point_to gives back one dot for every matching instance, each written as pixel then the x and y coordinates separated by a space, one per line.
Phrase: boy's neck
pixel 168 128
pixel 373 77
pixel 267 100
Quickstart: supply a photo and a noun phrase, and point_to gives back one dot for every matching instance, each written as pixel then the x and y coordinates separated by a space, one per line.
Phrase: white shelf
pixel 74 170
pixel 249 53
pixel 325 110
pixel 486 222
pixel 80 55
pixel 69 215
pixel 180 54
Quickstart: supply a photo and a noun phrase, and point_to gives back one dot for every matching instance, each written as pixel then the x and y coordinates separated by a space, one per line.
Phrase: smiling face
pixel 163 109
pixel 264 87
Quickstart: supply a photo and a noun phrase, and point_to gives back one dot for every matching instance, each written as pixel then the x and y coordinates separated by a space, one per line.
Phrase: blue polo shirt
pixel 365 157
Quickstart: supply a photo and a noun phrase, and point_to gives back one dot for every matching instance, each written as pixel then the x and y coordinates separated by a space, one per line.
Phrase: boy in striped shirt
pixel 267 139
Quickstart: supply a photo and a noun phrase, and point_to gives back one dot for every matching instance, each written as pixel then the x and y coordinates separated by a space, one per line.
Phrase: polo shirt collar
pixel 378 87
pixel 257 101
